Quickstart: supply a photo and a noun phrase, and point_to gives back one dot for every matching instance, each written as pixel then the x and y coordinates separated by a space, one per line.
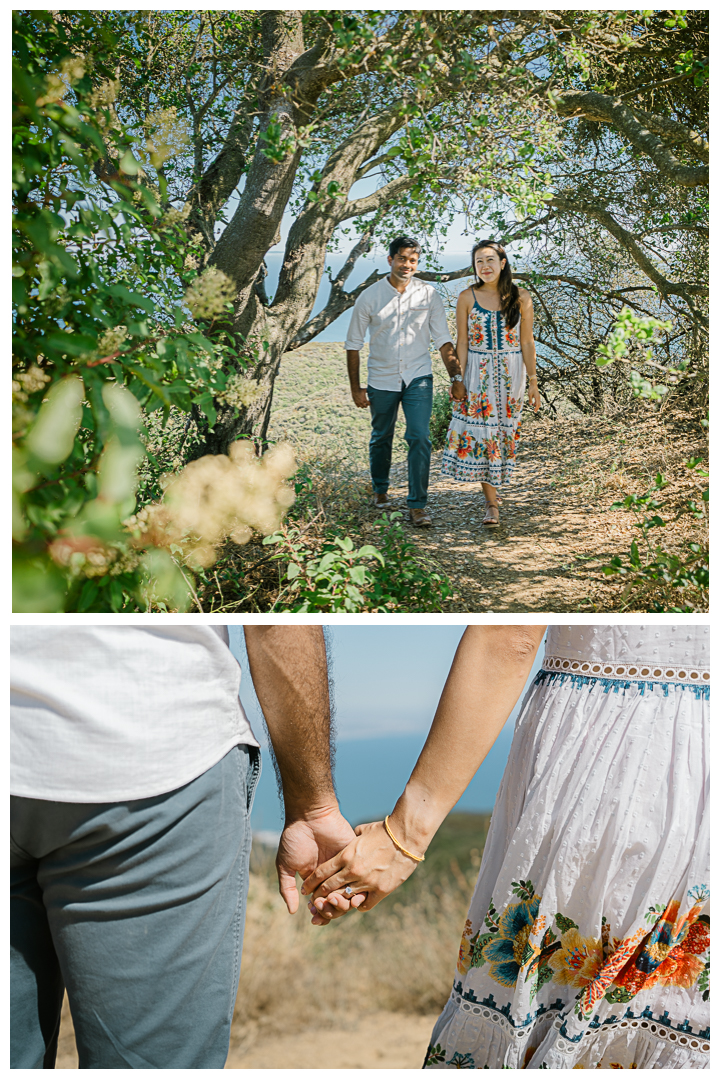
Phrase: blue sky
pixel 387 683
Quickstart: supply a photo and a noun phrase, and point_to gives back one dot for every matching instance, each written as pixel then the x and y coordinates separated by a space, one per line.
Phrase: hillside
pixel 558 529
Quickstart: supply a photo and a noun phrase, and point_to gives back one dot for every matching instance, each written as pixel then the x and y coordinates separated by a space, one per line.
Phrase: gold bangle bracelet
pixel 398 845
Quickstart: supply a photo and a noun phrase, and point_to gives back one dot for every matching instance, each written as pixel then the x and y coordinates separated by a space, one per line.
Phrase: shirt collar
pixel 411 286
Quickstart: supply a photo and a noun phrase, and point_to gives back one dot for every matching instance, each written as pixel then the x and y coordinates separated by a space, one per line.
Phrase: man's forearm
pixel 288 665
pixel 450 359
pixel 353 368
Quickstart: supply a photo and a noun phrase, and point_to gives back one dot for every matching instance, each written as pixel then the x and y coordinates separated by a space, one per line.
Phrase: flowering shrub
pixel 105 335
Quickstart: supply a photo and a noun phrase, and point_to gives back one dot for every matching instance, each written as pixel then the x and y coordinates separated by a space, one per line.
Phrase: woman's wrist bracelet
pixel 398 845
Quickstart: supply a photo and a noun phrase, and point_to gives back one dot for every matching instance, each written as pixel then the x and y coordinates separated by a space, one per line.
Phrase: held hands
pixel 458 391
pixel 305 842
pixel 360 397
pixel 370 864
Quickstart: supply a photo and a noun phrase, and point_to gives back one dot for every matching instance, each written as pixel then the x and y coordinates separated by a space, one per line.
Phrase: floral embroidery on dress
pixel 465 953
pixel 478 405
pixel 476 336
pixel 462 443
pixel 434 1055
pixel 461 1061
pixel 578 960
pixel 671 954
pixel 490 417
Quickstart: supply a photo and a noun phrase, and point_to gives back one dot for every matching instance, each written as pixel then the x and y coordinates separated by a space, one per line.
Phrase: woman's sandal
pixel 488 520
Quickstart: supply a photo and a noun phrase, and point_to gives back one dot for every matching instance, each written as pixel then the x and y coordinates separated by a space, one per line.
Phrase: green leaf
pixel 131 297
pixel 128 164
pixel 564 923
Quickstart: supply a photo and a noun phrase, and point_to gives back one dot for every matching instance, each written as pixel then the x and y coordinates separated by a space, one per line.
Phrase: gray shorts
pixel 137 908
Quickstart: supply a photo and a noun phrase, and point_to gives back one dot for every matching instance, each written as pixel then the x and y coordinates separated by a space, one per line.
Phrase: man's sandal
pixel 489 519
pixel 419 516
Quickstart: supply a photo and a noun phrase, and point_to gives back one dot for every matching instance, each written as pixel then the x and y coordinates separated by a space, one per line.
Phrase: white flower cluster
pixel 24 384
pixel 239 391
pixel 167 135
pixel 173 216
pixel 27 382
pixel 102 97
pixel 111 341
pixel 218 497
pixel 209 293
pixel 58 82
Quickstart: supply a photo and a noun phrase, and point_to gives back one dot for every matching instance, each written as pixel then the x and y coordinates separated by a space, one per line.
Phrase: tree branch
pixel 628 241
pixel 673 132
pixel 339 301
pixel 602 108
pixel 241 248
pixel 222 176
pixel 379 198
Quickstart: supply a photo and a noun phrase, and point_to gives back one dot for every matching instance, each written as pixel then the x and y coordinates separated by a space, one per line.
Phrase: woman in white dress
pixel 496 351
pixel 587 939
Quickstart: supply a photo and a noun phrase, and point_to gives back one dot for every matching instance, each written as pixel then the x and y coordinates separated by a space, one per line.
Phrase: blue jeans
pixel 137 908
pixel 416 400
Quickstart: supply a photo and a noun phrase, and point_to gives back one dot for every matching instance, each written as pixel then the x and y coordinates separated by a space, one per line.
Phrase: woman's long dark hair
pixel 509 295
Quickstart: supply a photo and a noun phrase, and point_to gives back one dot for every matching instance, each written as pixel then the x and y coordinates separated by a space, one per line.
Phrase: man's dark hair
pixel 401 242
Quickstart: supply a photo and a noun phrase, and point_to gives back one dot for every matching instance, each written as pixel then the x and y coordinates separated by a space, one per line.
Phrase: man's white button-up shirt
pixel 401 325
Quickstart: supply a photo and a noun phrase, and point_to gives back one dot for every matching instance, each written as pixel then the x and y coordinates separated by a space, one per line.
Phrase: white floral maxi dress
pixel 587 943
pixel 483 430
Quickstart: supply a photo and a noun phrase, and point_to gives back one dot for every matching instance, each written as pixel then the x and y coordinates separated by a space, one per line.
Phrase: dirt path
pixel 378 1041
pixel 556 530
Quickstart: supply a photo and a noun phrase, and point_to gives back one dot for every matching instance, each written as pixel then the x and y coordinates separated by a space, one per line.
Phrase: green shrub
pixel 329 581
pixel 658 580
pixel 440 418
pixel 404 581
pixel 340 577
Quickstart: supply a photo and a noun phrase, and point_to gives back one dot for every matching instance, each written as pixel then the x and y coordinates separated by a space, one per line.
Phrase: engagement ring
pixel 348 890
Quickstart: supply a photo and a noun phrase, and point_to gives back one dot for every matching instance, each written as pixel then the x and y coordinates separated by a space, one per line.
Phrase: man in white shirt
pixel 133 769
pixel 401 316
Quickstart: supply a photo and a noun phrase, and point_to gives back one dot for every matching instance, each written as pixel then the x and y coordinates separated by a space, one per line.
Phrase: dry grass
pixel 398 958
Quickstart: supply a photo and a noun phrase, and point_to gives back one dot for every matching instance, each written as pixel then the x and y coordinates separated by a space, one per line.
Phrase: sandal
pixel 488 519
pixel 419 516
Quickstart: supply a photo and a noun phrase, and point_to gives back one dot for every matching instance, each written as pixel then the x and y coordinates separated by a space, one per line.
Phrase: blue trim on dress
pixel 701 692
pixel 505 1010
pixel 593 1025
pixel 646 1014
pixel 490 311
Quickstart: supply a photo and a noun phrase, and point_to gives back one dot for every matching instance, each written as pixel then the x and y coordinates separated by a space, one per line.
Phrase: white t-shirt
pixel 111 713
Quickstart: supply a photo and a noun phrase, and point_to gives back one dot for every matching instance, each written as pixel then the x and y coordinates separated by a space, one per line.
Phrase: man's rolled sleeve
pixel 439 329
pixel 359 322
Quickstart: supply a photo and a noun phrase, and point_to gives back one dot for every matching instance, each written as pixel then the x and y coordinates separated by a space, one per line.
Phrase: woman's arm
pixel 488 674
pixel 527 344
